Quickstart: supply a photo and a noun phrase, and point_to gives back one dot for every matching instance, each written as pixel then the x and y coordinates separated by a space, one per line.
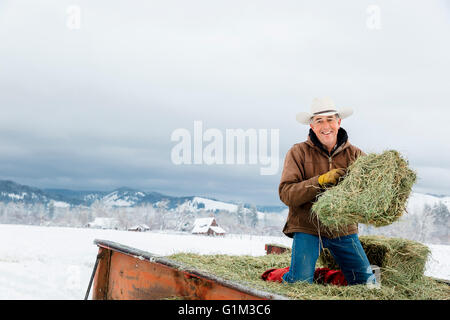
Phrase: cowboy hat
pixel 323 107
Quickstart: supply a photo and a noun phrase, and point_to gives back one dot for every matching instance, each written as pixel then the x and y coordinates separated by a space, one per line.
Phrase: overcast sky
pixel 94 107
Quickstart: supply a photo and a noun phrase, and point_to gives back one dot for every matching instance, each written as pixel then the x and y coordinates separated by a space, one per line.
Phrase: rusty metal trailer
pixel 126 273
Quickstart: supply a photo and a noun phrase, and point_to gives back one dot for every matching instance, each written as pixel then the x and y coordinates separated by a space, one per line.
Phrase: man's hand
pixel 331 177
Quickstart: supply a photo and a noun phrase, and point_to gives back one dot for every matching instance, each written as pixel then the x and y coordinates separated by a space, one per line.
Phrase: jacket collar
pixel 342 142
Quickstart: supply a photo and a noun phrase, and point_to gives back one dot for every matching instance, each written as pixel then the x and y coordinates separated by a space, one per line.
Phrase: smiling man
pixel 309 168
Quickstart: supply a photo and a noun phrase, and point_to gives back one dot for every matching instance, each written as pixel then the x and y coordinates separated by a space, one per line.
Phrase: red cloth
pixel 274 274
pixel 321 275
pixel 325 275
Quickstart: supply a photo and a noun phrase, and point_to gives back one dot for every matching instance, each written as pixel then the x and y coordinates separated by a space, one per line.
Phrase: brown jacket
pixel 299 184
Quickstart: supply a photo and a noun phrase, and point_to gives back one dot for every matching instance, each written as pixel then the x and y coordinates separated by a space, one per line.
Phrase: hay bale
pixel 247 271
pixel 400 260
pixel 374 191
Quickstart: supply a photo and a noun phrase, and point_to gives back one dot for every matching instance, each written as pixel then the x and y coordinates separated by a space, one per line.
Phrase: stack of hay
pixel 400 261
pixel 374 191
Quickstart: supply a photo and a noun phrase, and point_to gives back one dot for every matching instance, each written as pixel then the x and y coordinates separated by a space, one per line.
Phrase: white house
pixel 104 223
pixel 207 226
pixel 140 228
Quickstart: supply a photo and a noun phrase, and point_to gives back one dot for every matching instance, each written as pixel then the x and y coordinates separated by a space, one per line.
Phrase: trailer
pixel 124 273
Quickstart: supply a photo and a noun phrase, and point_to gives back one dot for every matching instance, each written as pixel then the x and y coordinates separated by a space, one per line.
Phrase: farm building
pixel 207 226
pixel 139 228
pixel 104 223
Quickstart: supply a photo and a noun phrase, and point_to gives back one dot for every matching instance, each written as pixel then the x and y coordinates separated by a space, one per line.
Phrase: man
pixel 309 168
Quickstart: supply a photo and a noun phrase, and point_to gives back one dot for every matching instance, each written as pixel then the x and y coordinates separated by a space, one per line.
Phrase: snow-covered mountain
pixel 121 197
pixel 11 191
pixel 207 204
pixel 199 203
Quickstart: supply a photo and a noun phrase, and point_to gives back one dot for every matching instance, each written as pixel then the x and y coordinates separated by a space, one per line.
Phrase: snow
pixel 112 199
pixel 104 223
pixel 218 230
pixel 416 201
pixel 56 263
pixel 61 204
pixel 16 196
pixel 215 205
pixel 210 205
pixel 438 265
pixel 201 225
pixel 203 222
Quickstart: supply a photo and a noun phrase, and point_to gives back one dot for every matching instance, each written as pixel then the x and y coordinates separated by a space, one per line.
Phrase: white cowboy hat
pixel 323 107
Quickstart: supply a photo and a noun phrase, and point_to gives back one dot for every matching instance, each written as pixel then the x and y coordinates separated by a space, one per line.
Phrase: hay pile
pixel 247 270
pixel 401 261
pixel 374 191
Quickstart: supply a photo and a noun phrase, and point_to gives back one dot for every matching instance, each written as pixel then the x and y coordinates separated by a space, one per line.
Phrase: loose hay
pixel 374 191
pixel 402 263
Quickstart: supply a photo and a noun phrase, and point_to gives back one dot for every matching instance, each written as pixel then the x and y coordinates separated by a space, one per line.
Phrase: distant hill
pixel 11 191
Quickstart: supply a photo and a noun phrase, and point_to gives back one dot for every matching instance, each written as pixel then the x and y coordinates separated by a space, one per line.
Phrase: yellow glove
pixel 331 177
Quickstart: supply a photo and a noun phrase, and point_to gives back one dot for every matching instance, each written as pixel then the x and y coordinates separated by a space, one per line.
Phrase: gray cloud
pixel 94 108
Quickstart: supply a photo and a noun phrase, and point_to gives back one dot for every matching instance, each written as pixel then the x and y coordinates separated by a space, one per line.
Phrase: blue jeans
pixel 346 250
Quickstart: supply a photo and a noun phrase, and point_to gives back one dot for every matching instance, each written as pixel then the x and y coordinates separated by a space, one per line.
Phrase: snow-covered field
pixel 56 263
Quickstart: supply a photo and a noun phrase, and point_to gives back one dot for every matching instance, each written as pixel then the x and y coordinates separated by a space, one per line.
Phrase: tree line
pixel 156 217
pixel 428 224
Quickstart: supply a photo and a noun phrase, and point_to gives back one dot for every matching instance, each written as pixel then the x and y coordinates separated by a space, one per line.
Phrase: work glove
pixel 331 177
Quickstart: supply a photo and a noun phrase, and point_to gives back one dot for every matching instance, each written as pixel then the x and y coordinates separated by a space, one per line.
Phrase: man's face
pixel 326 129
